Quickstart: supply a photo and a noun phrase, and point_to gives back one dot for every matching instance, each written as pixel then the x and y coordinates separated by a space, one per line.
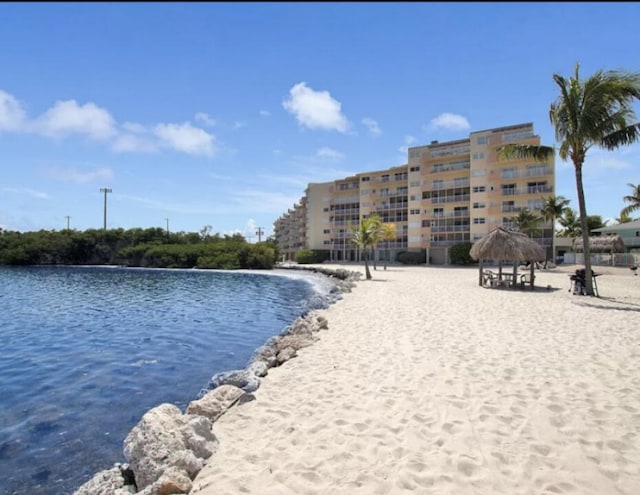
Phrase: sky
pixel 220 114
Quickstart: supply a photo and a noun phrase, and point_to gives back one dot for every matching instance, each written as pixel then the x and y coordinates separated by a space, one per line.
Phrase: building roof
pixel 614 229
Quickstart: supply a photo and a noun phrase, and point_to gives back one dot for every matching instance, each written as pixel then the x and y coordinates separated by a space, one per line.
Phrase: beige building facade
pixel 446 194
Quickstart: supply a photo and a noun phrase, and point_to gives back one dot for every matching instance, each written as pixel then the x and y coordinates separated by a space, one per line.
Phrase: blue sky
pixel 220 114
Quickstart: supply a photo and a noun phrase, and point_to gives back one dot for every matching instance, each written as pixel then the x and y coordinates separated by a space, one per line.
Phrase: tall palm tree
pixel 597 111
pixel 365 237
pixel 551 209
pixel 570 223
pixel 387 233
pixel 633 199
pixel 624 218
pixel 527 222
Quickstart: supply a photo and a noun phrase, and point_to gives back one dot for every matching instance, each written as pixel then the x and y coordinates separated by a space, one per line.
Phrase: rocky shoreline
pixel 167 448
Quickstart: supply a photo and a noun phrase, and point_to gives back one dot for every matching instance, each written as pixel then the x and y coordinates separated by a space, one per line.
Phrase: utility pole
pixel 67 217
pixel 259 233
pixel 105 190
pixel 167 226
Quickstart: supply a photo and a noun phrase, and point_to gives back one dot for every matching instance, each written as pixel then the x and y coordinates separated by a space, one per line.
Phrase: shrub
pixel 305 256
pixel 412 257
pixel 459 254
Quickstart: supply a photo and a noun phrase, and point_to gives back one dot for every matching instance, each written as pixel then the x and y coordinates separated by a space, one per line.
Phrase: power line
pixel 259 233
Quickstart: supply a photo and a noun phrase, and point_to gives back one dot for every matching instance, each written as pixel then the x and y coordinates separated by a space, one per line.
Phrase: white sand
pixel 426 383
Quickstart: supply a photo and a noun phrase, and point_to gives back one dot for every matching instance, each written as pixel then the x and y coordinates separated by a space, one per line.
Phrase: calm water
pixel 86 351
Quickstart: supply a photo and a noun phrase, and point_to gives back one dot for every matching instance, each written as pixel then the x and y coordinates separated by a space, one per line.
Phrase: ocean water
pixel 86 351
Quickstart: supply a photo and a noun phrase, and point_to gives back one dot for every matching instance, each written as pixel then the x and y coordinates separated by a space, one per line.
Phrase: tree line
pixel 137 247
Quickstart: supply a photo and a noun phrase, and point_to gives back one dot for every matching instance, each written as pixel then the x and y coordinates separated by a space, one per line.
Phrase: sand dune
pixel 427 383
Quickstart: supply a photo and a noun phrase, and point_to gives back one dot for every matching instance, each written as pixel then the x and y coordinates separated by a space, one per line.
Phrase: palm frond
pixel 622 137
pixel 524 151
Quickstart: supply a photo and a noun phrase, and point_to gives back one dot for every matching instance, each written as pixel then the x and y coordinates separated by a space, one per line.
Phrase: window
pixel 414 154
pixel 478 220
pixel 414 211
pixel 479 189
pixel 437 184
pixel 460 182
pixel 384 178
pixel 415 169
pixel 365 179
pixel 509 173
pixel 415 183
pixel 478 156
pixel 483 140
pixel 478 173
pixel 326 231
pixel 326 208
pixel 478 205
pixel 508 189
pixel 400 176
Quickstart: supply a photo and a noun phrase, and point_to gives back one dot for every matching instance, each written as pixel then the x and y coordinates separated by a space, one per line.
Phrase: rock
pixel 108 482
pixel 243 379
pixel 166 438
pixel 296 342
pixel 259 368
pixel 267 353
pixel 286 354
pixel 172 482
pixel 323 323
pixel 215 403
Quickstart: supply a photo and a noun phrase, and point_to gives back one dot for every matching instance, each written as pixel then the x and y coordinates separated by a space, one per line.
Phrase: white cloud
pixel 265 113
pixel 12 114
pixel 133 143
pixel 186 138
pixel 205 118
pixel 238 125
pixel 134 127
pixel 408 141
pixel 71 174
pixel 450 122
pixel 372 125
pixel 315 109
pixel 329 153
pixel 28 192
pixel 67 117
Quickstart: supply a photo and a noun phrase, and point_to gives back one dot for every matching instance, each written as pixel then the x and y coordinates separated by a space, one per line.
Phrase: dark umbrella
pixel 507 245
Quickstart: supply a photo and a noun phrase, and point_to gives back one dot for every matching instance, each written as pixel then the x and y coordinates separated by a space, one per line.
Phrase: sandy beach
pixel 426 383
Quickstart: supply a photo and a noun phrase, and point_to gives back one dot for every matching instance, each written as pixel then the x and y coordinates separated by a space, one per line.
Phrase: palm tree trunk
pixel 553 240
pixel 585 229
pixel 366 265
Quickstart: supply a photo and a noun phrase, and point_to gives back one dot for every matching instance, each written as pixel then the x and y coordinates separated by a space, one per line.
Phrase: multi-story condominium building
pixel 447 193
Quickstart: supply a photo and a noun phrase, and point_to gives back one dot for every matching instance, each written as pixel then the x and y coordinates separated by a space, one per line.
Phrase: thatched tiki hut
pixel 506 245
pixel 601 244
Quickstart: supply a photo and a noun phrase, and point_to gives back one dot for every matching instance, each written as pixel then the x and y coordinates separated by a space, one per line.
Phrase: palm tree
pixel 552 208
pixel 365 237
pixel 570 223
pixel 633 199
pixel 387 233
pixel 527 222
pixel 597 111
pixel 624 218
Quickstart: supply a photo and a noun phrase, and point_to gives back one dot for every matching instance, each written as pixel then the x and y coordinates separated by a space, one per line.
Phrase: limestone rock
pixel 215 403
pixel 243 379
pixel 166 438
pixel 108 482
pixel 286 354
pixel 172 482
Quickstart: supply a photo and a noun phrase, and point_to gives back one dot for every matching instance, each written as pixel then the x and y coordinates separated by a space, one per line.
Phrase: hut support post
pixel 480 274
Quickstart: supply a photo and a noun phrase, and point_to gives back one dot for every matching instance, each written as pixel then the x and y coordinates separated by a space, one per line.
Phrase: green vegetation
pixel 412 257
pixel 365 237
pixel 152 247
pixel 308 256
pixel 597 111
pixel 459 254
